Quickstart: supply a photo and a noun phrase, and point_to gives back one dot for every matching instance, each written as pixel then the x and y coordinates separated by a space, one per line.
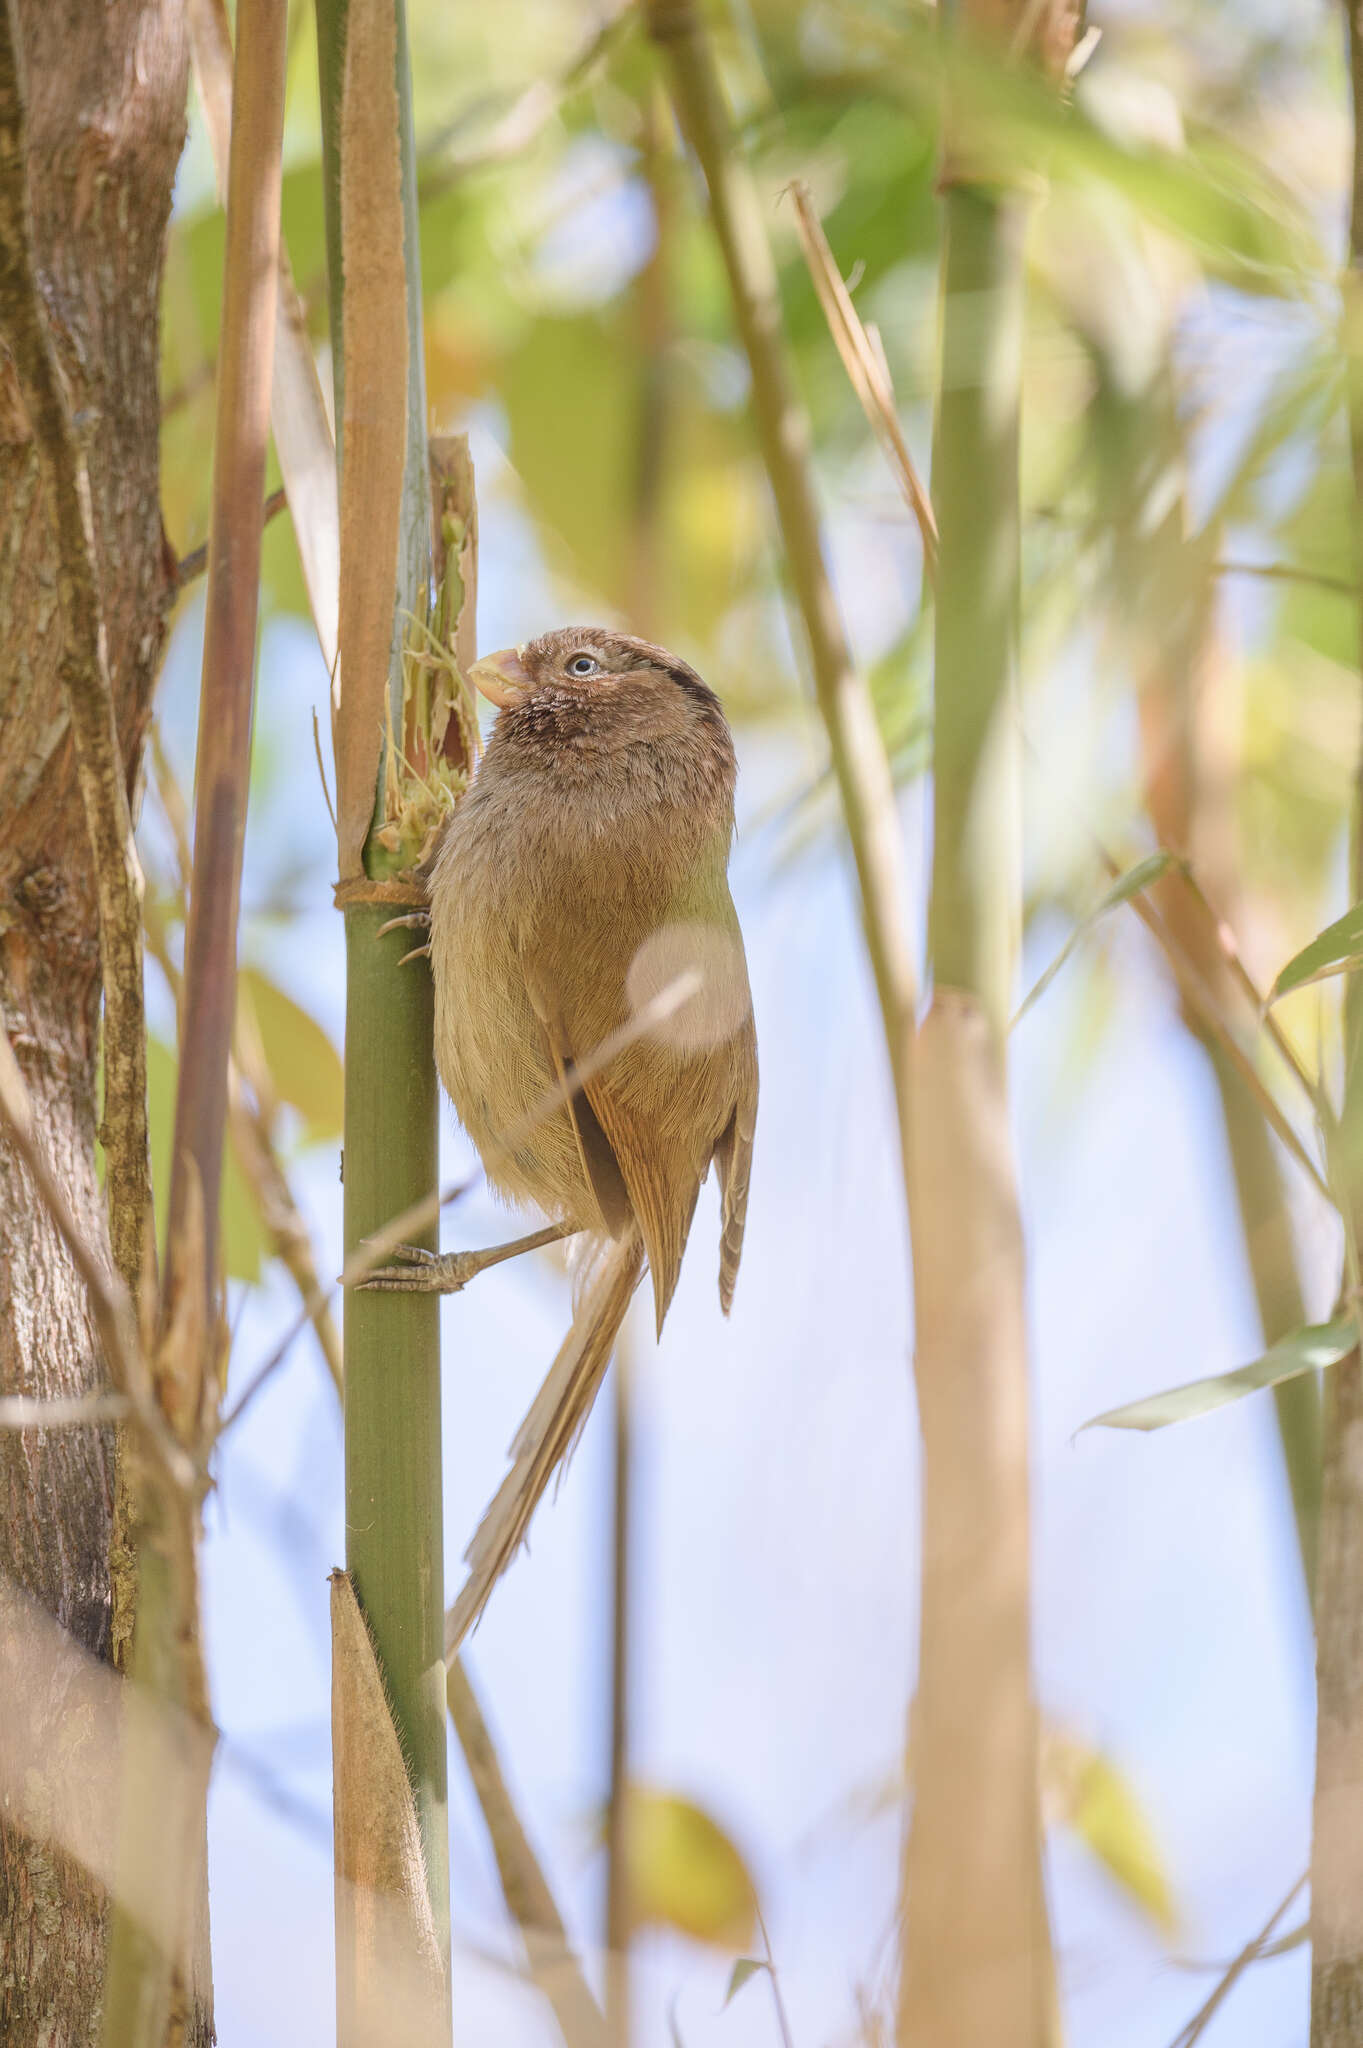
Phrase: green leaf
pixel 304 1065
pixel 1141 876
pixel 242 1238
pixel 1087 1793
pixel 1305 1350
pixel 685 1872
pixel 745 1968
pixel 1336 950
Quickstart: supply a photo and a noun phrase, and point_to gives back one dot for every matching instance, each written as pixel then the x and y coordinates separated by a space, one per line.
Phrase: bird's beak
pixel 503 678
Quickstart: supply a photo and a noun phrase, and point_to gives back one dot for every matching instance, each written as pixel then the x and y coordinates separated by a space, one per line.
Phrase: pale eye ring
pixel 583 665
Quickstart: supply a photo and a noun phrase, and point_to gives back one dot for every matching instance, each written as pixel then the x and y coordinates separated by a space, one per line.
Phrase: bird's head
pixel 582 663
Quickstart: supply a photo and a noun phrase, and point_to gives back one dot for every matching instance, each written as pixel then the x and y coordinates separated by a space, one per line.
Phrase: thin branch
pixel 442 164
pixel 860 762
pixel 190 567
pixel 109 1301
pixel 1290 572
pixel 250 281
pixel 866 370
pixel 250 1124
pixel 298 413
pixel 554 1966
pixel 314 1304
pixel 85 677
pixel 1207 1007
pixel 1250 1953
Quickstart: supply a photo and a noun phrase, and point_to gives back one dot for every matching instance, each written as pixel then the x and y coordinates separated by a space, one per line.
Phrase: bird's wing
pixel 659 1110
pixel 599 1162
pixel 733 1158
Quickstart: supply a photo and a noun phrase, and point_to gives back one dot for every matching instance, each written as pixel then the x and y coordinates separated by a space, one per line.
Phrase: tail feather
pixel 549 1434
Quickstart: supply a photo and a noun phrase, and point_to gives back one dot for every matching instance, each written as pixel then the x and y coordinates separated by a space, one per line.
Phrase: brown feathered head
pixel 585 683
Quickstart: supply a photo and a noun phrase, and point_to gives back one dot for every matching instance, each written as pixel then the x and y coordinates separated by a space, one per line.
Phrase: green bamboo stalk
pixel 974 1961
pixel 1336 1849
pixel 394 1529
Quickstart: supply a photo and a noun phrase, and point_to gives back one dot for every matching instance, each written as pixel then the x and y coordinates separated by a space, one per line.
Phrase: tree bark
pixel 106 94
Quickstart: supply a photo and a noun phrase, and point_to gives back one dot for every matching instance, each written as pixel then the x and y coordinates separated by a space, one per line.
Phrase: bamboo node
pixel 408 892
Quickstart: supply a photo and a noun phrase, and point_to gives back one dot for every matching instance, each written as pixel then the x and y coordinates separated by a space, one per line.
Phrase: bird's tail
pixel 550 1431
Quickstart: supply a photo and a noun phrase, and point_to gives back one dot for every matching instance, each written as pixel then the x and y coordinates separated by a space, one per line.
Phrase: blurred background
pixel 1189 673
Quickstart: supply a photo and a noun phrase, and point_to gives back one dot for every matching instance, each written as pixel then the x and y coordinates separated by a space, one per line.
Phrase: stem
pixel 619 1915
pixel 150 1987
pixel 529 1900
pixel 975 1959
pixel 392 1356
pixel 394 1529
pixel 224 761
pixel 860 763
pixel 1337 1847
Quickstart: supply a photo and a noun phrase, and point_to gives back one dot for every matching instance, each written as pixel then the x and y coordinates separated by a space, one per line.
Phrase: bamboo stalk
pixel 619 1905
pixel 150 1989
pixel 302 433
pixel 224 761
pixel 974 1961
pixel 860 763
pixel 1337 1840
pixel 394 1534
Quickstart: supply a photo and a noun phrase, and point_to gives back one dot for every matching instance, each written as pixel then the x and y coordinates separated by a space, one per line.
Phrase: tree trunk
pixel 106 89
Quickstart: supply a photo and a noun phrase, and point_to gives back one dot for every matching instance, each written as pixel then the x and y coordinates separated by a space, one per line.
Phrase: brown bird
pixel 579 904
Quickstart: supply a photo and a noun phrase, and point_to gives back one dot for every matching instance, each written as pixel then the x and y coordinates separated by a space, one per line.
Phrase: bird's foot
pixel 415 1271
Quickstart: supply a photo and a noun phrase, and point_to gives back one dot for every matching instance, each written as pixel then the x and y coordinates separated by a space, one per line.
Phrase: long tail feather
pixel 549 1432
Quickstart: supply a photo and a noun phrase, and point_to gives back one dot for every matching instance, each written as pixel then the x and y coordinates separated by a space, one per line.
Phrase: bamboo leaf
pixel 746 1968
pixel 1131 883
pixel 1336 950
pixel 1094 1799
pixel 866 369
pixel 1305 1350
pixel 242 1242
pixel 304 1066
pixel 685 1871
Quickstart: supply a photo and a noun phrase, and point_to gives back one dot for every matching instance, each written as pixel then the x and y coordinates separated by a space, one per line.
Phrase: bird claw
pixel 417 1271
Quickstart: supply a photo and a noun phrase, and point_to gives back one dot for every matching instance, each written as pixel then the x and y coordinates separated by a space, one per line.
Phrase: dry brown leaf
pixel 866 368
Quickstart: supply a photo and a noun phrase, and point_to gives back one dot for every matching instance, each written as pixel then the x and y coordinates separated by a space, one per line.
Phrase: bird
pixel 593 1017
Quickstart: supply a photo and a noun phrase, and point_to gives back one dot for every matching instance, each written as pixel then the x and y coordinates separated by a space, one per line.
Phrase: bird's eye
pixel 583 665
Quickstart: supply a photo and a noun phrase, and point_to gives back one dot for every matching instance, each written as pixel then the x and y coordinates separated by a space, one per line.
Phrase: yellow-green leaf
pixel 1152 869
pixel 1305 1350
pixel 686 1873
pixel 1336 950
pixel 1086 1793
pixel 746 1968
pixel 304 1066
pixel 242 1240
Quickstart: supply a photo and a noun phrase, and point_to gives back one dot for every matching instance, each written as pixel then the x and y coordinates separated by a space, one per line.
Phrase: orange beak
pixel 503 678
